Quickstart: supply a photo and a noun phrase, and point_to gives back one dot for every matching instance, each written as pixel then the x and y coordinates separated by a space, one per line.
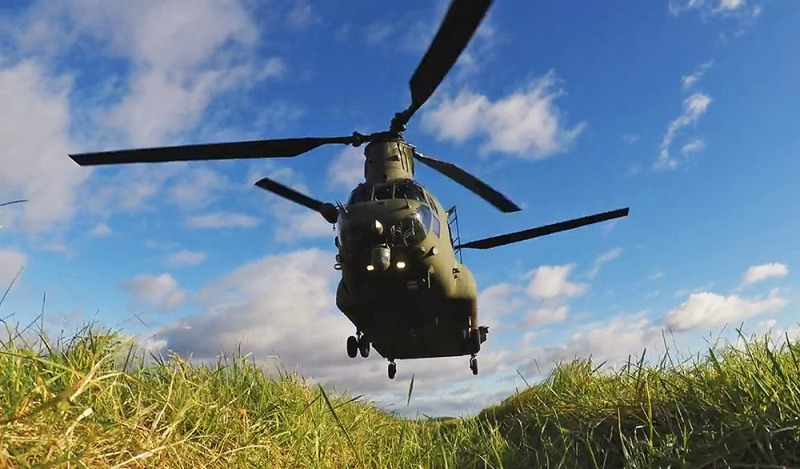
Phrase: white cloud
pixel 100 230
pixel 347 170
pixel 689 81
pixel 498 301
pixel 196 187
pixel 182 54
pixel 705 7
pixel 550 282
pixel 11 261
pixel 221 220
pixel 34 127
pixel 706 309
pixel 303 224
pixel 185 257
pixel 159 291
pixel 694 107
pixel 761 272
pixel 541 316
pixel 525 123
pixel 612 341
pixel 744 12
pixel 602 259
pixel 693 146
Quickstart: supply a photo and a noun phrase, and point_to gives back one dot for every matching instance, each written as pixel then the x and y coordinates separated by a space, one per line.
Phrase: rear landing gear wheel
pixel 352 347
pixel 363 346
pixel 392 370
pixel 473 365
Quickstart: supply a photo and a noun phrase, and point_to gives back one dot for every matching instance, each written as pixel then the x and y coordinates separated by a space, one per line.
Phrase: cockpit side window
pixel 362 193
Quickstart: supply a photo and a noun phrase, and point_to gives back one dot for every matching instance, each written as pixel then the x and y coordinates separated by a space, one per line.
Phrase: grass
pixel 92 401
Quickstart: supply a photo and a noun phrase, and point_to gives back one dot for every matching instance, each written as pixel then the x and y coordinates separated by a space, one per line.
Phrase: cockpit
pixel 406 232
pixel 403 189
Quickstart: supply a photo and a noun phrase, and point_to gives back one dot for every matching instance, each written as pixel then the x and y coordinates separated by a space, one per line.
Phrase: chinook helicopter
pixel 404 285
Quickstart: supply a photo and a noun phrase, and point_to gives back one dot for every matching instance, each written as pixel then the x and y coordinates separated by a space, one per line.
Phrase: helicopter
pixel 403 283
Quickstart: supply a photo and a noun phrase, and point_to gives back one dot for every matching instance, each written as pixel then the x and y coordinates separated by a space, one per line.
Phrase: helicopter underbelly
pixel 414 323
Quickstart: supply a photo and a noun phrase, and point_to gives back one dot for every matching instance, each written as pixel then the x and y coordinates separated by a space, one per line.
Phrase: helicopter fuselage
pixel 402 285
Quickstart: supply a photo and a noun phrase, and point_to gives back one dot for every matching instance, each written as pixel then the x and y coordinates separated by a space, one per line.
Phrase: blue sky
pixel 682 110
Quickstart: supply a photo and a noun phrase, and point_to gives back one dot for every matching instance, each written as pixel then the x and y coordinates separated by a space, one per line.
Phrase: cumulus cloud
pixel 159 67
pixel 761 272
pixel 706 309
pixel 219 220
pixel 550 282
pixel 303 224
pixel 631 333
pixel 526 123
pixel 196 187
pixel 159 291
pixel 542 316
pixel 347 170
pixel 694 107
pixel 34 129
pixel 185 257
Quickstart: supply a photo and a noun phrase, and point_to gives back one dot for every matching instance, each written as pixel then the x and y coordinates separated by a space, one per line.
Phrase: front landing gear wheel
pixel 392 370
pixel 473 365
pixel 352 347
pixel 363 346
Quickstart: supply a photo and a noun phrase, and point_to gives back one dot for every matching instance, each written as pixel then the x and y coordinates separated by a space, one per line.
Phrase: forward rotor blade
pixel 457 28
pixel 210 151
pixel 12 202
pixel 501 240
pixel 470 182
pixel 288 193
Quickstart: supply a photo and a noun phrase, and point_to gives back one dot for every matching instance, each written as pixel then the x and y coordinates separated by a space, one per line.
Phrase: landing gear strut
pixel 473 364
pixel 392 369
pixel 358 344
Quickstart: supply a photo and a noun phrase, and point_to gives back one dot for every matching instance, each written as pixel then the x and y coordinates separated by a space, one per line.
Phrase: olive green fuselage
pixel 419 301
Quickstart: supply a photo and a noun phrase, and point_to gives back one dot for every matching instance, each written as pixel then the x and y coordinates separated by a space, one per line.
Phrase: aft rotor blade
pixel 470 182
pixel 210 151
pixel 12 202
pixel 458 26
pixel 288 193
pixel 501 240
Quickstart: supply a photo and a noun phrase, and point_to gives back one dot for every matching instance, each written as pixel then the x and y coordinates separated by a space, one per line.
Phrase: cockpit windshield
pixel 406 189
pixel 409 190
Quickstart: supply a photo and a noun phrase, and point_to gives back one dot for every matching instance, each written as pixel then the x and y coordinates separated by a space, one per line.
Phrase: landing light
pixel 370 267
pixel 401 265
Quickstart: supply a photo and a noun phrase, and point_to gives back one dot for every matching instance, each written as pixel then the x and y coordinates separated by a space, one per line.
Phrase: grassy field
pixel 87 401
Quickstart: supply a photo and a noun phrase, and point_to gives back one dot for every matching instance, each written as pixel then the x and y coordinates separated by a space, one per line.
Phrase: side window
pixel 362 193
pixel 436 226
pixel 383 192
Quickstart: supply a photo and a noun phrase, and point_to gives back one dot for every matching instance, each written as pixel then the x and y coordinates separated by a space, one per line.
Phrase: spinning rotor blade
pixel 12 202
pixel 488 243
pixel 457 28
pixel 326 209
pixel 210 151
pixel 470 182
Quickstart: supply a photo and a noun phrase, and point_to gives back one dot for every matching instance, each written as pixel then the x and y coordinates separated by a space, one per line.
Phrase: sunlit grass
pixel 94 400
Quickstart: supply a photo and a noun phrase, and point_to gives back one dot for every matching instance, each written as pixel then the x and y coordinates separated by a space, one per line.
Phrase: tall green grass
pixel 94 400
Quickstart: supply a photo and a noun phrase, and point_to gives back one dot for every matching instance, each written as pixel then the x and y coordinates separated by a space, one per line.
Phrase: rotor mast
pixel 388 160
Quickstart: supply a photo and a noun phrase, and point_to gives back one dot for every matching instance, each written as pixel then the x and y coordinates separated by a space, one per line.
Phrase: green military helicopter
pixel 404 285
